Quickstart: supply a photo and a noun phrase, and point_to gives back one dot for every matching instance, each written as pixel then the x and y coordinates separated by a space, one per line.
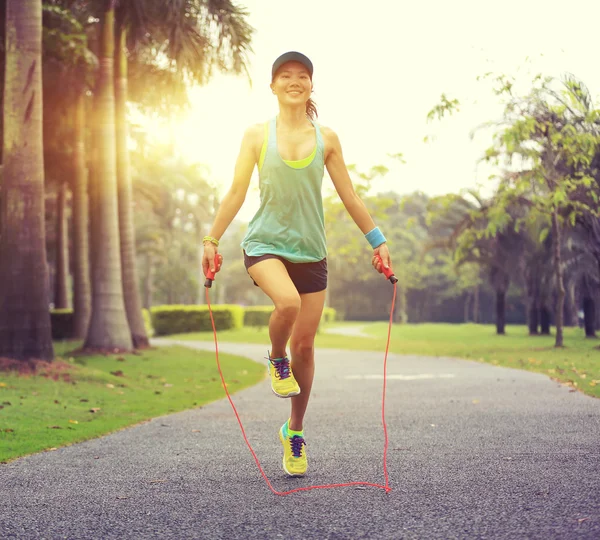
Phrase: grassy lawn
pixel 577 364
pixel 54 408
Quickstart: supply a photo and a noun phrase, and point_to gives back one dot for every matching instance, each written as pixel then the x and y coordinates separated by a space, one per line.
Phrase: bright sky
pixel 379 69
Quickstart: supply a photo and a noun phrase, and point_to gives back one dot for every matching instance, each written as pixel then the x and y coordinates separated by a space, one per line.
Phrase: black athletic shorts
pixel 307 277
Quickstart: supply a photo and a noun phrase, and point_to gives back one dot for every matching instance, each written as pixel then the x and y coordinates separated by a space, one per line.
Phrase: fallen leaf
pixel 121 359
pixel 84 400
pixel 195 431
pixel 110 385
pixel 117 373
pixel 122 497
pixel 55 427
pixel 475 401
pixel 73 422
pixel 167 385
pixel 51 449
pixel 2 384
pixel 95 409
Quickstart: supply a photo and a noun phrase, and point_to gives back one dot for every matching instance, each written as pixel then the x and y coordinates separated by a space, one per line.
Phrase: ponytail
pixel 311 109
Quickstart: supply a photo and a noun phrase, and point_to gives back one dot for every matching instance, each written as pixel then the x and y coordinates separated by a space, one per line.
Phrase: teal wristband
pixel 375 237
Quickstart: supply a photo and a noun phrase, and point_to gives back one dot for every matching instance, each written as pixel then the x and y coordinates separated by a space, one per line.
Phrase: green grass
pixel 42 412
pixel 576 364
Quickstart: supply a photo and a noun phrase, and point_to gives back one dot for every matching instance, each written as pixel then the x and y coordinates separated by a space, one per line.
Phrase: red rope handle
pixel 386 487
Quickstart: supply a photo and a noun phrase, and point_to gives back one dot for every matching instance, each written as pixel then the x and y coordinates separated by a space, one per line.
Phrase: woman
pixel 284 248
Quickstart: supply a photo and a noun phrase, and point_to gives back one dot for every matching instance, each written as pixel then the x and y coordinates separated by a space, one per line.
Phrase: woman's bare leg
pixel 272 277
pixel 302 347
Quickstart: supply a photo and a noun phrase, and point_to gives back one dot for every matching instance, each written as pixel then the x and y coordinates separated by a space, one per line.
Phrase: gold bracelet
pixel 211 240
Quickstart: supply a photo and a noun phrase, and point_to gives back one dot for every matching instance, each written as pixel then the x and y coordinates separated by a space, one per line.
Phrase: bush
pixel 181 319
pixel 259 315
pixel 147 322
pixel 61 321
pixel 329 315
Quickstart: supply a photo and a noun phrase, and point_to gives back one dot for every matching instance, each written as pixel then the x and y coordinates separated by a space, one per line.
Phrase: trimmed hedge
pixel 181 319
pixel 329 315
pixel 259 315
pixel 148 322
pixel 61 321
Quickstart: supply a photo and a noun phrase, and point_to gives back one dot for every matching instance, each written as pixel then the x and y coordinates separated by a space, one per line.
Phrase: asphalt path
pixel 476 451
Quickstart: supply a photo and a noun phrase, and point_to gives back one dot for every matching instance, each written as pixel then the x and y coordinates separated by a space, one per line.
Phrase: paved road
pixel 476 451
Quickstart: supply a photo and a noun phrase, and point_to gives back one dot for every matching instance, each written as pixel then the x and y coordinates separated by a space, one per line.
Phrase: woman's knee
pixel 303 345
pixel 288 306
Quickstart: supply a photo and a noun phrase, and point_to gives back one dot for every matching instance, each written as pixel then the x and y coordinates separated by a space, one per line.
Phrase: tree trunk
pixel 82 297
pixel 61 296
pixel 108 327
pixel 571 306
pixel 131 285
pixel 466 307
pixel 476 304
pixel 589 317
pixel 25 331
pixel 544 320
pixel 500 312
pixel 534 320
pixel 557 241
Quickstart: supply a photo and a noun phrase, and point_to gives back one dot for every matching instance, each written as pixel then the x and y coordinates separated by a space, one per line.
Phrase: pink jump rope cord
pixel 389 275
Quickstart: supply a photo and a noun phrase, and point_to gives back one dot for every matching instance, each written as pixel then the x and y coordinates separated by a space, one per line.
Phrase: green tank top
pixel 290 221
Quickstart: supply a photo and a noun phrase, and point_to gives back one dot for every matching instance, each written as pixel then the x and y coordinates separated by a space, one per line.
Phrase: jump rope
pixel 210 276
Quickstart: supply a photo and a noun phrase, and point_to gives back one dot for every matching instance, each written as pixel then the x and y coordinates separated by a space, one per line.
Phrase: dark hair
pixel 311 109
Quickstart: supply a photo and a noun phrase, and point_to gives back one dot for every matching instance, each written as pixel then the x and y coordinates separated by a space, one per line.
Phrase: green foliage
pixel 180 319
pixel 259 315
pixel 148 322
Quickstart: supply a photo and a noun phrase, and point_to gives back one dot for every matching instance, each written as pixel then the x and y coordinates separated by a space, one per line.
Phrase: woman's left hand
pixel 384 253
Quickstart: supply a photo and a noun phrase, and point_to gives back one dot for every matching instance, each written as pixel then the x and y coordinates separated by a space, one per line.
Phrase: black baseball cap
pixel 292 56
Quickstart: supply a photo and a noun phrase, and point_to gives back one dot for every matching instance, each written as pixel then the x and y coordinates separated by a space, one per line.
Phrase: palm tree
pixel 192 50
pixel 108 328
pixel 24 289
pixel 68 71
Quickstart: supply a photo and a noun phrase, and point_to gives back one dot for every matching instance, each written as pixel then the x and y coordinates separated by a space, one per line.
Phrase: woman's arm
pixel 336 167
pixel 235 197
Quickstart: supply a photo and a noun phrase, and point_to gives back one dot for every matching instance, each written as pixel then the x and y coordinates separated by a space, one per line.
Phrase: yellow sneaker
pixel 283 383
pixel 295 461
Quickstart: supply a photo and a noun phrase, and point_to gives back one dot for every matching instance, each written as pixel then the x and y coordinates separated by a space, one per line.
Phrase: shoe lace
pixel 296 443
pixel 282 368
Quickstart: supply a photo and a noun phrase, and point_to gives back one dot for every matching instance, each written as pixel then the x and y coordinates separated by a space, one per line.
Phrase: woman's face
pixel 292 84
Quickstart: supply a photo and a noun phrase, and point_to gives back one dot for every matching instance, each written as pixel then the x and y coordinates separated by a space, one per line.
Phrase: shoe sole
pixel 293 475
pixel 286 395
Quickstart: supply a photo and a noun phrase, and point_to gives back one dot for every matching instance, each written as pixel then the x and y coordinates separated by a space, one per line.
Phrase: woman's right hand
pixel 211 259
